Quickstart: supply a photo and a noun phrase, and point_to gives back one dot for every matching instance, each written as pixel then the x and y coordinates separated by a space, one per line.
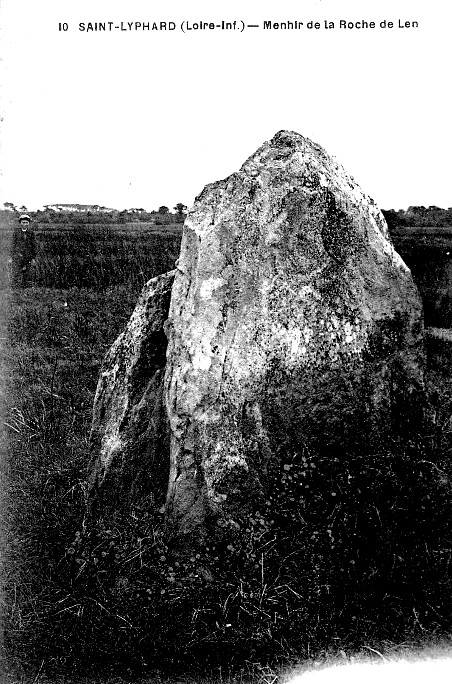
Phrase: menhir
pixel 293 327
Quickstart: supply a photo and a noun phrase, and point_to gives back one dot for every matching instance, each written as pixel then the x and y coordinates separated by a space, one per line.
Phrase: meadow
pixel 120 609
pixel 84 285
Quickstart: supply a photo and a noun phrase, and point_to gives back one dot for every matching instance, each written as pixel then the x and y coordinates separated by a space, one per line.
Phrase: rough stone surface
pixel 293 325
pixel 129 434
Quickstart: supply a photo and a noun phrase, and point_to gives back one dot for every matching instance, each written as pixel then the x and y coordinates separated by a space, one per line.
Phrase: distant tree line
pixel 418 216
pixel 102 215
pixel 413 216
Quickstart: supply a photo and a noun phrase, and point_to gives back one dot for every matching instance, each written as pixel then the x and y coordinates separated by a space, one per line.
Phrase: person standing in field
pixel 23 252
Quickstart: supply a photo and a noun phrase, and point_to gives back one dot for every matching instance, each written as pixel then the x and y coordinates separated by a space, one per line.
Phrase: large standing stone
pixel 294 328
pixel 293 325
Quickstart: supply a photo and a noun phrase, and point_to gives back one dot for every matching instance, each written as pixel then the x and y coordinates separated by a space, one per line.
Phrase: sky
pixel 144 118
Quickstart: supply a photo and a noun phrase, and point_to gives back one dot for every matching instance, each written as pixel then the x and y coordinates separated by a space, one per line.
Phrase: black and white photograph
pixel 225 342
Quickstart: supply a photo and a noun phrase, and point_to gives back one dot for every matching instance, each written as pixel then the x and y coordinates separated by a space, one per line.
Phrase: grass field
pixel 58 619
pixel 55 333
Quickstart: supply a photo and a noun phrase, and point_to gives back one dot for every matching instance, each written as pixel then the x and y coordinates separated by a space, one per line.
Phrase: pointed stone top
pixel 302 160
pixel 290 163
